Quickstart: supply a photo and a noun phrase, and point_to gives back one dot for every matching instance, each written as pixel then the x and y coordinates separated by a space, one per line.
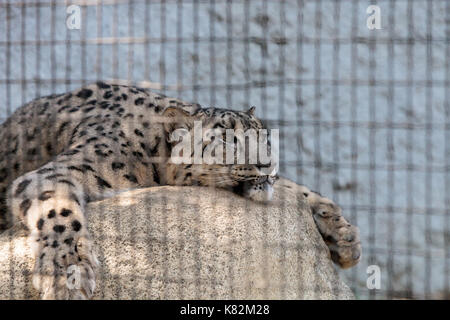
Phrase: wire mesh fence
pixel 363 114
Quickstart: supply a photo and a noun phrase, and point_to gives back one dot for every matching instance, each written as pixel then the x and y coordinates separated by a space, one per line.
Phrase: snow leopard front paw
pixel 341 237
pixel 65 274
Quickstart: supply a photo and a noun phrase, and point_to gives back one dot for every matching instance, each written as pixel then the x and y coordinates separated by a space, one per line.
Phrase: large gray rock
pixel 194 242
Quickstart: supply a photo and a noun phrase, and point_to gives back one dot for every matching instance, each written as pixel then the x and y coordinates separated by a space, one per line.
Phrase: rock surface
pixel 195 243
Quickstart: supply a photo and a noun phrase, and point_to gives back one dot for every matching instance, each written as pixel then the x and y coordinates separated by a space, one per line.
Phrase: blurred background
pixel 364 115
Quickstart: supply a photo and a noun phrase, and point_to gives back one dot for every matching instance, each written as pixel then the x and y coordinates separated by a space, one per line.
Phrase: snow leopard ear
pixel 175 112
pixel 176 117
pixel 251 111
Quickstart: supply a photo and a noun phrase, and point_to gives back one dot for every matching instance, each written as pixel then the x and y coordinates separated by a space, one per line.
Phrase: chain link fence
pixel 364 115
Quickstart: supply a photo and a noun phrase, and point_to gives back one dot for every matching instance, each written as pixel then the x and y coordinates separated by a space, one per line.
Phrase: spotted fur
pixel 61 151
